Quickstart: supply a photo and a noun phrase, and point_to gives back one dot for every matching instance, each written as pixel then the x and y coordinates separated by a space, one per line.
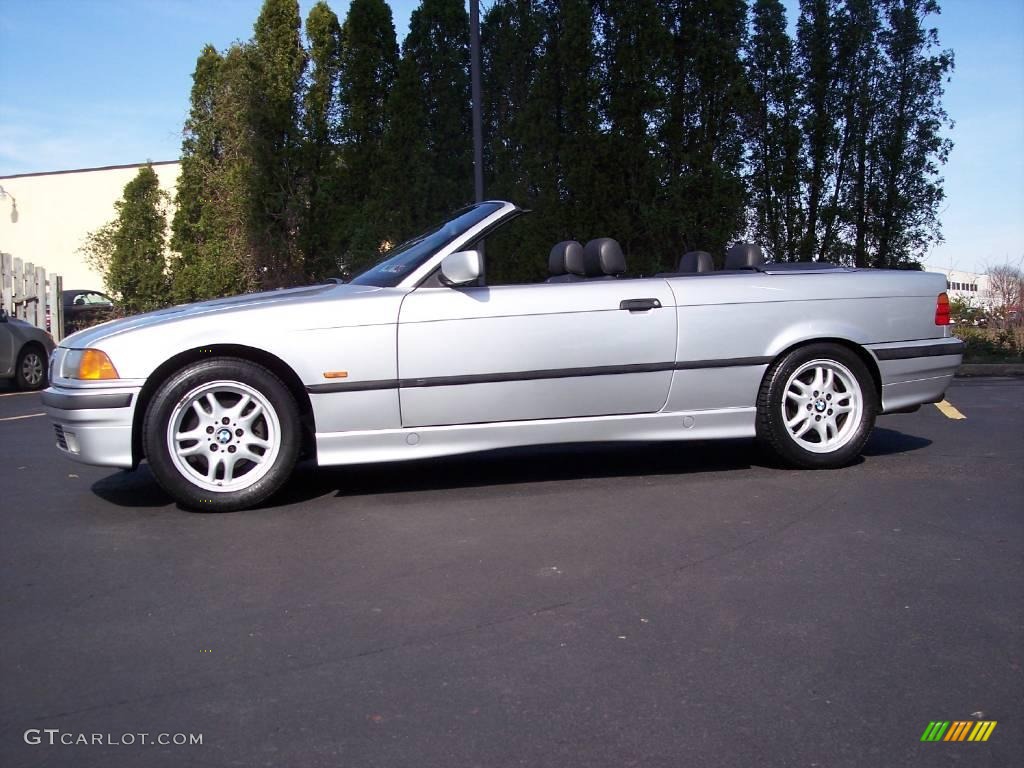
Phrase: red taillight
pixel 942 309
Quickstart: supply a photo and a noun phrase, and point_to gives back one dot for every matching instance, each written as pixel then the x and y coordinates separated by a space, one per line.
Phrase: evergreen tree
pixel 510 42
pixel 563 118
pixel 208 236
pixel 905 189
pixel 774 140
pixel 817 54
pixel 369 66
pixel 856 73
pixel 700 137
pixel 322 161
pixel 437 52
pixel 405 164
pixel 130 250
pixel 276 197
pixel 633 49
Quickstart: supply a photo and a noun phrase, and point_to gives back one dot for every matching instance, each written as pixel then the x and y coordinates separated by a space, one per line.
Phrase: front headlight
pixel 88 364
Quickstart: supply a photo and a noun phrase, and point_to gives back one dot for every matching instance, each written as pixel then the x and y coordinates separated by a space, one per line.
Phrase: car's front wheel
pixel 222 434
pixel 817 406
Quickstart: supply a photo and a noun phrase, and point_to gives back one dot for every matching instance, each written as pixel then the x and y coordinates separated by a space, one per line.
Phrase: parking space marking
pixel 948 410
pixel 16 394
pixel 26 416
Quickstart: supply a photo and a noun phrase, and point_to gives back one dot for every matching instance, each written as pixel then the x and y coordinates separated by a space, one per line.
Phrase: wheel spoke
pixel 803 429
pixel 259 442
pixel 251 416
pixel 235 411
pixel 801 416
pixel 245 453
pixel 819 378
pixel 213 461
pixel 229 466
pixel 804 388
pixel 215 410
pixel 192 450
pixel 192 434
pixel 830 377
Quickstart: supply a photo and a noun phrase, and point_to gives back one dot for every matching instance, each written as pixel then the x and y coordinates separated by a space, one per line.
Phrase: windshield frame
pixel 426 262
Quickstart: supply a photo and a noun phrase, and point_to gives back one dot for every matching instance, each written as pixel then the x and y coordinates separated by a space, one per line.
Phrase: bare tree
pixel 1006 282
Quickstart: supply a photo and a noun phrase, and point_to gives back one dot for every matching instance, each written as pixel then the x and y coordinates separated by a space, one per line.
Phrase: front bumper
pixel 93 426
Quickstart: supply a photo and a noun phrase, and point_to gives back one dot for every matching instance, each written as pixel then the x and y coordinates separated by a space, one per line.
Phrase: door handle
pixel 639 305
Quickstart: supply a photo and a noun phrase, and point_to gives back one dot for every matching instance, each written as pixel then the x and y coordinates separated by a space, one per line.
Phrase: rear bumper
pixel 93 426
pixel 916 372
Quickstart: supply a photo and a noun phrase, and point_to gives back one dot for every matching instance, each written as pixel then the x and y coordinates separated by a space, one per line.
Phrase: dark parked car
pixel 24 352
pixel 83 308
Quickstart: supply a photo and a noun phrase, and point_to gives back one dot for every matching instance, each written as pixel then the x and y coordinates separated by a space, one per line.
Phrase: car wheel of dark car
pixel 817 406
pixel 222 434
pixel 31 369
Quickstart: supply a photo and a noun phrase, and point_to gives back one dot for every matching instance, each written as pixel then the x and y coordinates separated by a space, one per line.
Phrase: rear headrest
pixel 564 253
pixel 603 256
pixel 696 261
pixel 744 256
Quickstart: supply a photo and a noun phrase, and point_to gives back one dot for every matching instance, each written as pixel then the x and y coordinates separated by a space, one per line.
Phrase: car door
pixel 6 348
pixel 545 351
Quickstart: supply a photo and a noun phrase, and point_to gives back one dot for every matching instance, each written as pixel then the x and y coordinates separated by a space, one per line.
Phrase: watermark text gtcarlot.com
pixel 55 736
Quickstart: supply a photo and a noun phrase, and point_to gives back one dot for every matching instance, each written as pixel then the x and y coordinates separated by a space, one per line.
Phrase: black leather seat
pixel 565 263
pixel 744 256
pixel 696 261
pixel 603 258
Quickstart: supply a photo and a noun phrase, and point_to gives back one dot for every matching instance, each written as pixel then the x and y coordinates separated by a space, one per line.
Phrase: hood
pixel 288 297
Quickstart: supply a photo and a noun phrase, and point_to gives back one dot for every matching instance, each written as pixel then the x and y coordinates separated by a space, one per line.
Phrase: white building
pixel 45 217
pixel 972 287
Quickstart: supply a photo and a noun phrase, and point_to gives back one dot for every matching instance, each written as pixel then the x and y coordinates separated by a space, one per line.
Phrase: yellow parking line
pixel 947 409
pixel 26 416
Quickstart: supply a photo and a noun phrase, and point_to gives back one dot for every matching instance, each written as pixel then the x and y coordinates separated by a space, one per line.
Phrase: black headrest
pixel 744 256
pixel 696 261
pixel 558 261
pixel 603 256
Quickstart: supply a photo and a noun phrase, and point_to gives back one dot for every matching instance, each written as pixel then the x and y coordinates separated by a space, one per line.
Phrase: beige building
pixel 45 217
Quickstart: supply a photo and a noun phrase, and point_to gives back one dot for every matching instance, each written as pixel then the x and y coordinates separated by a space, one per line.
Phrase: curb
pixel 990 369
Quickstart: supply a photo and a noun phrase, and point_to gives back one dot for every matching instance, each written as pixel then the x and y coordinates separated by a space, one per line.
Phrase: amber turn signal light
pixel 96 365
pixel 942 309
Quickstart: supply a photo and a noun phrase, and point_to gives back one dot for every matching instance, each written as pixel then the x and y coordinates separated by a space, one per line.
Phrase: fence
pixel 27 293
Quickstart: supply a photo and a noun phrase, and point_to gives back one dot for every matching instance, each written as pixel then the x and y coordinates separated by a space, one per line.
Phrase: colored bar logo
pixel 958 730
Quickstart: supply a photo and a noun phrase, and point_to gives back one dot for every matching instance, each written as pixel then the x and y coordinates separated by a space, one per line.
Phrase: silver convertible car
pixel 421 357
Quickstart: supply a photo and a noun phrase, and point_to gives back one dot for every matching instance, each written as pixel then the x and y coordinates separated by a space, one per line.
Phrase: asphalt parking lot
pixel 662 605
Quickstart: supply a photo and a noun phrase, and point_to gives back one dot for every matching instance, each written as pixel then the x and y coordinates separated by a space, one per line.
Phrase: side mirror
pixel 460 268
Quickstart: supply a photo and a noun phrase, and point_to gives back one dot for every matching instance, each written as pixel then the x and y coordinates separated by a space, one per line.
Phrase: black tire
pixel 276 422
pixel 32 370
pixel 815 416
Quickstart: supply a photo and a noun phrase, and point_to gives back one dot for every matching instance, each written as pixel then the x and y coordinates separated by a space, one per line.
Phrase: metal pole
pixel 474 73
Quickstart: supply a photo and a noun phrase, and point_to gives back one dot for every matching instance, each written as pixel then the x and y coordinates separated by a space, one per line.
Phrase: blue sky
pixel 85 83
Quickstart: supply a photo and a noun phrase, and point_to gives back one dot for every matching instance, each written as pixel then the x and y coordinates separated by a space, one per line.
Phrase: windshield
pixel 404 258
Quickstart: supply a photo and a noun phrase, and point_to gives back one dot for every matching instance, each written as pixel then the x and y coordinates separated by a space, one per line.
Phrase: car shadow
pixel 534 464
pixel 509 466
pixel 886 442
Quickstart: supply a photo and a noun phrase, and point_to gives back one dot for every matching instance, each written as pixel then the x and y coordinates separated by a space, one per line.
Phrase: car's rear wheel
pixel 817 406
pixel 31 369
pixel 222 434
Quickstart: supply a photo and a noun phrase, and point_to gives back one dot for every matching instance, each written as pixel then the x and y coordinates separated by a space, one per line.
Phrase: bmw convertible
pixel 421 357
